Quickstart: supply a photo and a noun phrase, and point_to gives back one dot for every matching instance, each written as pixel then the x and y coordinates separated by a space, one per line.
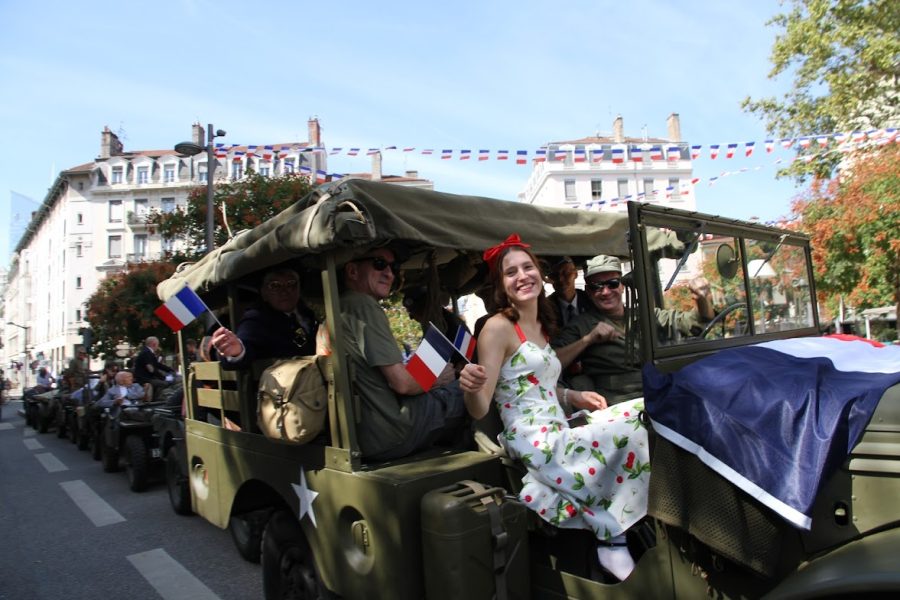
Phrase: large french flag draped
pixel 430 358
pixel 181 309
pixel 776 419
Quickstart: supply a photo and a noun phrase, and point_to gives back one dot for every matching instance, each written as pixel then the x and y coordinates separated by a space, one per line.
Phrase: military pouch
pixel 293 397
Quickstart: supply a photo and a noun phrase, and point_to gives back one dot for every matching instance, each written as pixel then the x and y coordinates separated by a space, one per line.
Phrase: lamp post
pixel 192 149
pixel 26 366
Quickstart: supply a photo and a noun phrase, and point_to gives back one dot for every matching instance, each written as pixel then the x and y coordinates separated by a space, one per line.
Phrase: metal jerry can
pixel 475 543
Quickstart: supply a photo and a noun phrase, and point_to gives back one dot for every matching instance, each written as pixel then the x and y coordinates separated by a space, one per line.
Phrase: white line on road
pixel 28 432
pixel 168 577
pixel 4 426
pixel 32 444
pixel 51 463
pixel 93 506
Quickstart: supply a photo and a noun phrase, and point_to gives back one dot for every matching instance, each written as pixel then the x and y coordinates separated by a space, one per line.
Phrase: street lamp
pixel 191 149
pixel 25 366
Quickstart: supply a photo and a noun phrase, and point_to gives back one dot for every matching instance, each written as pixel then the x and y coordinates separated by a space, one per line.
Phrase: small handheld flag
pixel 181 309
pixel 430 358
pixel 464 342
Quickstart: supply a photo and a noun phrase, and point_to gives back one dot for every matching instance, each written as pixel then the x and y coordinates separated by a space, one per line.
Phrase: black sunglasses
pixel 612 284
pixel 380 264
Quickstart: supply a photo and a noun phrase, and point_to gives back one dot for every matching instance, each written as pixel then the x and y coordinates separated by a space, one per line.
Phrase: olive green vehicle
pixel 445 523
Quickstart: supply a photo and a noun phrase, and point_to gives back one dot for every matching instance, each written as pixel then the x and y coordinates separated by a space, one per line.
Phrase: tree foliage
pixel 844 58
pixel 121 309
pixel 854 223
pixel 247 203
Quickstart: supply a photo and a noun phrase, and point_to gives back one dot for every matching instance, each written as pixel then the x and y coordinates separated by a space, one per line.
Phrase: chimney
pixel 198 134
pixel 315 132
pixel 109 144
pixel 674 125
pixel 618 130
pixel 376 166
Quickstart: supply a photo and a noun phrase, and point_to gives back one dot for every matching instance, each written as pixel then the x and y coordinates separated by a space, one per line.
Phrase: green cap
pixel 602 264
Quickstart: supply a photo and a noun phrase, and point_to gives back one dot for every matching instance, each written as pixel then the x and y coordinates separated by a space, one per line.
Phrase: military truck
pixel 127 435
pixel 446 522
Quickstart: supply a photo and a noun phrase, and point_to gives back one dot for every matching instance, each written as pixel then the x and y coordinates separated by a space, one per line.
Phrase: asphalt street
pixel 69 530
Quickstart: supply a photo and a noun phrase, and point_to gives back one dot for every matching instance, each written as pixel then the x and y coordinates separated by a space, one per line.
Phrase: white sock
pixel 616 559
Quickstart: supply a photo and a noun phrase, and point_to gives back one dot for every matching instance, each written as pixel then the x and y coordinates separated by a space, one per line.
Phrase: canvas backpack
pixel 293 398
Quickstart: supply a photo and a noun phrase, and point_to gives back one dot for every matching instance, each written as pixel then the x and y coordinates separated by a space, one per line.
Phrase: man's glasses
pixel 277 286
pixel 612 284
pixel 380 264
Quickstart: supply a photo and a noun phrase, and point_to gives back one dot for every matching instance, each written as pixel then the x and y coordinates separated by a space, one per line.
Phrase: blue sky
pixel 510 75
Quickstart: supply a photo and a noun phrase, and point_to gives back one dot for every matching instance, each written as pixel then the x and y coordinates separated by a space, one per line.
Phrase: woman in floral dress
pixel 593 476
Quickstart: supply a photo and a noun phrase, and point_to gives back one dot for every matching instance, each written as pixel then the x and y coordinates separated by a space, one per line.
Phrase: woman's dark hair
pixel 503 306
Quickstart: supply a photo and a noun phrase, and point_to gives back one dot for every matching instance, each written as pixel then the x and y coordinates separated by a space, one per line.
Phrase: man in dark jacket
pixel 148 368
pixel 567 300
pixel 280 327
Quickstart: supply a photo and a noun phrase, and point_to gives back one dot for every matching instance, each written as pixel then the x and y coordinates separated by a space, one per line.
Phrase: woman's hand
pixel 472 378
pixel 587 400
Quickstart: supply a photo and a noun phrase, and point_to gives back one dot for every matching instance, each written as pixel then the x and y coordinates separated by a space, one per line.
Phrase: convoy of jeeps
pixel 446 523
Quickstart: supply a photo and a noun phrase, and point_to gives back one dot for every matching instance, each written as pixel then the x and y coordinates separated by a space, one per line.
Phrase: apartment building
pixel 91 223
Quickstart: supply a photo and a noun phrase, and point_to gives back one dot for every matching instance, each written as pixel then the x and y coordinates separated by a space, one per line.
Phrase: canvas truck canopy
pixel 353 215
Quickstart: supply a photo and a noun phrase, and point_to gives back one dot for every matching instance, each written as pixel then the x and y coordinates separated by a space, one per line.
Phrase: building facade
pixel 605 172
pixel 92 223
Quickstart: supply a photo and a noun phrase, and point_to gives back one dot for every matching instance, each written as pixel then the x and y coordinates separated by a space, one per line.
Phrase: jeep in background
pixel 445 523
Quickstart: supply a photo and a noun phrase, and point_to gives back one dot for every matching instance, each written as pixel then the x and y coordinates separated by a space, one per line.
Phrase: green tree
pixel 854 223
pixel 844 58
pixel 121 309
pixel 245 204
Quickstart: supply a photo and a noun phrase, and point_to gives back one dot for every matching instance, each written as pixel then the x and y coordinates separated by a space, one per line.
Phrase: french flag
pixel 618 155
pixel 484 154
pixel 580 156
pixel 371 151
pixel 559 154
pixel 181 309
pixel 336 150
pixel 748 148
pixel 521 157
pixel 446 154
pixel 776 419
pixel 428 151
pixel 637 154
pixel 540 155
pixel 730 152
pixel 463 154
pixel 695 152
pixel 770 146
pixel 430 358
pixel 464 342
pixel 321 176
pixel 502 154
pixel 409 149
pixel 713 151
pixel 353 152
pixel 656 153
pixel 674 153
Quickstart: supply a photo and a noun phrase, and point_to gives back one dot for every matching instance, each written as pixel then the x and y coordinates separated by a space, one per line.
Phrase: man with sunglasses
pixel 398 417
pixel 281 325
pixel 597 337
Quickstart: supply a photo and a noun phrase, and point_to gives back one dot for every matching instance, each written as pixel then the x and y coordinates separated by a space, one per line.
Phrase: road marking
pixel 32 444
pixel 28 432
pixel 168 577
pixel 4 426
pixel 51 463
pixel 93 506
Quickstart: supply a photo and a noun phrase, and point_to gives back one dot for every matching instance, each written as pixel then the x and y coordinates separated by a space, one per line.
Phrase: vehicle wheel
pixel 96 445
pixel 137 463
pixel 109 456
pixel 35 417
pixel 72 427
pixel 288 566
pixel 43 422
pixel 178 484
pixel 247 531
pixel 27 414
pixel 61 424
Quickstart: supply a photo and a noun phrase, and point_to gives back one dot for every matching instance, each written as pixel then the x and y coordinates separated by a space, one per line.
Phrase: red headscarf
pixel 491 255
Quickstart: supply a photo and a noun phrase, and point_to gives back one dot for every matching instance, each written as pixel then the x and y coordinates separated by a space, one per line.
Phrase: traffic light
pixel 87 337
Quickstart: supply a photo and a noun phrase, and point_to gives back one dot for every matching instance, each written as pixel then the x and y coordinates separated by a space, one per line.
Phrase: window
pixel 78 283
pixel 78 249
pixel 202 172
pixel 80 186
pixel 167 205
pixel 143 174
pixel 237 170
pixel 623 188
pixel 115 246
pixel 140 245
pixel 288 165
pixel 570 190
pixel 648 186
pixel 79 218
pixel 140 208
pixel 77 314
pixel 115 211
pixel 169 173
pixel 117 175
pixel 264 171
pixel 596 189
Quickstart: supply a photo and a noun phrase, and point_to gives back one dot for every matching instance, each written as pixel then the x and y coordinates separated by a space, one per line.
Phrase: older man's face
pixel 374 274
pixel 281 291
pixel 124 378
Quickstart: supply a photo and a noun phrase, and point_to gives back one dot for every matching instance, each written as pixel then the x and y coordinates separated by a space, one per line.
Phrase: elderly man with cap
pixel 567 300
pixel 597 337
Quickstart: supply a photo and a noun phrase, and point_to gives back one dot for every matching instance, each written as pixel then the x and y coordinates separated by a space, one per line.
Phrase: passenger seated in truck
pixel 593 476
pixel 281 325
pixel 397 418
pixel 125 392
pixel 596 338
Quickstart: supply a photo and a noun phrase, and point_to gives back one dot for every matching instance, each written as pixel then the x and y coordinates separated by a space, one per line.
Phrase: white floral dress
pixel 594 476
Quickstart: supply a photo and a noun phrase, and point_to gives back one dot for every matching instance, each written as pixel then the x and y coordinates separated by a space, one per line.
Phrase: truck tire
pixel 60 423
pixel 43 421
pixel 288 565
pixel 177 484
pixel 137 463
pixel 72 427
pixel 247 531
pixel 96 443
